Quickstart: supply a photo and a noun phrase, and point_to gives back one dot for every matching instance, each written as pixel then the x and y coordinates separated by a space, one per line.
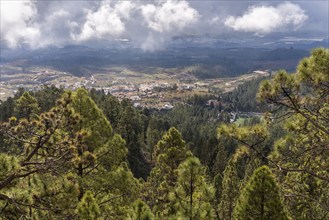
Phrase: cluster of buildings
pixel 142 95
pixel 159 94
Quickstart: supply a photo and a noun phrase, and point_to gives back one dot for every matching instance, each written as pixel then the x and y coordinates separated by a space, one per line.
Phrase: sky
pixel 150 24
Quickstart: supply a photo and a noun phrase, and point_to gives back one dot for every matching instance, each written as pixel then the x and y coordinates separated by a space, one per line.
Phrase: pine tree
pixel 230 191
pixel 172 138
pixel 100 159
pixel 193 194
pixel 47 96
pixel 115 190
pixel 47 145
pixel 302 153
pixel 26 106
pixel 87 208
pixel 300 189
pixel 169 153
pixel 7 108
pixel 260 198
pixel 131 127
pixel 140 211
pixel 94 131
pixel 153 134
pixel 217 182
pixel 92 120
pixel 44 181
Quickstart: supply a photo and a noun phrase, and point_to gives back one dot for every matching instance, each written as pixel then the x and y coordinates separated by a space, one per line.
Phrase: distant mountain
pixel 214 61
pixel 284 54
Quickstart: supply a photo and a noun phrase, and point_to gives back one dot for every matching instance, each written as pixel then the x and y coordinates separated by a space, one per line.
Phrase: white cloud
pixel 147 24
pixel 169 16
pixel 165 20
pixel 106 22
pixel 124 9
pixel 56 29
pixel 153 22
pixel 266 19
pixel 17 22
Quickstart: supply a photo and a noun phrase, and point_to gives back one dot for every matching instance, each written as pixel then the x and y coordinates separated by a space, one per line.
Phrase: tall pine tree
pixel 260 198
pixel 169 153
pixel 302 154
pixel 230 191
pixel 193 193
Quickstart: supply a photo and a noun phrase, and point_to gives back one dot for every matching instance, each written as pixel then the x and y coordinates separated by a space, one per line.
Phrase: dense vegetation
pixel 86 155
pixel 243 98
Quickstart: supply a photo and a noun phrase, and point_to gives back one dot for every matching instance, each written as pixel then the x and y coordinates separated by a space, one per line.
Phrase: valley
pixel 150 88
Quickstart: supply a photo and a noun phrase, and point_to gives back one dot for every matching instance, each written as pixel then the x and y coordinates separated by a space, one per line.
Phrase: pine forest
pixel 83 154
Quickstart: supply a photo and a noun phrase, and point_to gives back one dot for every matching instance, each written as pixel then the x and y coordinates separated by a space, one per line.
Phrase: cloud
pixel 266 19
pixel 165 20
pixel 153 42
pixel 17 22
pixel 106 22
pixel 56 28
pixel 149 25
pixel 169 16
pixel 214 20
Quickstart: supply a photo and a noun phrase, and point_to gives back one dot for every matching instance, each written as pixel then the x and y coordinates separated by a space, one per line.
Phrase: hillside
pixel 85 154
pixel 212 62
